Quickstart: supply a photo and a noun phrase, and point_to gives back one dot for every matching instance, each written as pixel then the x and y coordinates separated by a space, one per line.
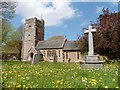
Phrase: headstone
pixel 55 58
pixel 36 58
pixel 69 60
pixel 91 60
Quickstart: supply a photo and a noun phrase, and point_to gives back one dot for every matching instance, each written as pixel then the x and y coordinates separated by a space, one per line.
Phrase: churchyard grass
pixel 17 74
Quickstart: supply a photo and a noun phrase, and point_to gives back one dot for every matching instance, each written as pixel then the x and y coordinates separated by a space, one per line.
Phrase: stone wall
pixel 72 56
pixel 59 54
pixel 33 33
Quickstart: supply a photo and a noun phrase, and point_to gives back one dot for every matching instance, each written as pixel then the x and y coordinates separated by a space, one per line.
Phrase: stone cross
pixel 90 40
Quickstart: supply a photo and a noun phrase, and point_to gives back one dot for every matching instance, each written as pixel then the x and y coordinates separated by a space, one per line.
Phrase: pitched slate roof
pixel 53 42
pixel 71 45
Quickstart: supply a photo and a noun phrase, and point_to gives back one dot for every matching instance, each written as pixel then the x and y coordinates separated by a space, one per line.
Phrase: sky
pixel 62 17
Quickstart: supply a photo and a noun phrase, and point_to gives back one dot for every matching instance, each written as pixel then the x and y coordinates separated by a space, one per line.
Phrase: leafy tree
pixel 7 9
pixel 107 36
pixel 16 39
pixel 0 38
pixel 6 32
pixel 82 42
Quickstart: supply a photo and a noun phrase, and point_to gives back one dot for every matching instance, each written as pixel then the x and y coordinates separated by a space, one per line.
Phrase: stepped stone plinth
pixel 92 62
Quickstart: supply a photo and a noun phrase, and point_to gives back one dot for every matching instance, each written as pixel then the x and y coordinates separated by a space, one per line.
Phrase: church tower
pixel 33 33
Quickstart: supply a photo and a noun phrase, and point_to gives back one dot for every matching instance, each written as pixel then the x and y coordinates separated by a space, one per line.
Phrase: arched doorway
pixel 31 55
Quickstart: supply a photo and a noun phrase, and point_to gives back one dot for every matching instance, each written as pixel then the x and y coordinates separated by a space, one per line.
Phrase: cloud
pixel 54 13
pixel 99 9
pixel 97 0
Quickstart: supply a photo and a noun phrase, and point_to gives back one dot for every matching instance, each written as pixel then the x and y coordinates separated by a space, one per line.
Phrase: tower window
pixel 29 25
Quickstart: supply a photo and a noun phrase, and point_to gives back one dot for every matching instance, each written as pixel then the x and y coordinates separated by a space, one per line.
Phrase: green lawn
pixel 17 74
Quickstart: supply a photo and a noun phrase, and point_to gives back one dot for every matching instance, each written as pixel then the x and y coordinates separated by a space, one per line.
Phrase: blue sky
pixel 66 19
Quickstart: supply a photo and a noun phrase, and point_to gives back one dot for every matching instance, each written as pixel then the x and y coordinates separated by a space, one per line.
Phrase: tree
pixel 16 40
pixel 7 9
pixel 107 41
pixel 7 30
pixel 107 36
pixel 16 37
pixel 82 42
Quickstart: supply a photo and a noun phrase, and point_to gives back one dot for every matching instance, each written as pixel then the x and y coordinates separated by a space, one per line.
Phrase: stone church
pixel 34 43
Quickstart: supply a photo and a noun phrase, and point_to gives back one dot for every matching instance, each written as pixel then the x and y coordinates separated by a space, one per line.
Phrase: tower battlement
pixel 34 20
pixel 29 19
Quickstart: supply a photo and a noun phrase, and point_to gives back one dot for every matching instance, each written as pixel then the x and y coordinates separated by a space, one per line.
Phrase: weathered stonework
pixel 34 44
pixel 72 55
pixel 33 33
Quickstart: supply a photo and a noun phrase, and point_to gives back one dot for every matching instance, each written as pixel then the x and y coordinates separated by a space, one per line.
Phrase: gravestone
pixel 91 60
pixel 36 58
pixel 55 58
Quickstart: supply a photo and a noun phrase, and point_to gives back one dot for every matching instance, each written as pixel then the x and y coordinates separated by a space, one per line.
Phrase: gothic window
pixel 51 53
pixel 48 53
pixel 59 53
pixel 63 55
pixel 78 57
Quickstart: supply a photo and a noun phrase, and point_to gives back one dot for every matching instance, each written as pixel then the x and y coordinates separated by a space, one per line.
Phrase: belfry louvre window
pixel 51 53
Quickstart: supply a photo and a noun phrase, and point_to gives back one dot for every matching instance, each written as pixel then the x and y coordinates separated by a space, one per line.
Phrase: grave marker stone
pixel 36 58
